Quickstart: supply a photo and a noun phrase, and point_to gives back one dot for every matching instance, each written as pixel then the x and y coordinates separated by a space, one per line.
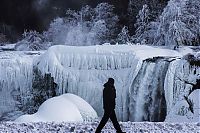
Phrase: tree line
pixel 175 25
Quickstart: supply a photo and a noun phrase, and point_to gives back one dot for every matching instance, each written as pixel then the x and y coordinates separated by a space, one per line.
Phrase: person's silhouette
pixel 109 95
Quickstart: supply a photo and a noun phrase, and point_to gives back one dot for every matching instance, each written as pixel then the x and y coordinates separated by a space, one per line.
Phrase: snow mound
pixel 87 112
pixel 64 108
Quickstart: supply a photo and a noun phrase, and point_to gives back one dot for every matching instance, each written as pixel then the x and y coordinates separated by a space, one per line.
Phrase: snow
pixel 8 47
pixel 64 108
pixel 181 113
pixel 86 111
pixel 185 50
pixel 90 127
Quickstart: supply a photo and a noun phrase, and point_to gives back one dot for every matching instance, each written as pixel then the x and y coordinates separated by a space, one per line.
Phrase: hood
pixel 107 84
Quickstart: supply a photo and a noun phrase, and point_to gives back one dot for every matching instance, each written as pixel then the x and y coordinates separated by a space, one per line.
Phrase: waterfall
pixel 147 101
pixel 146 89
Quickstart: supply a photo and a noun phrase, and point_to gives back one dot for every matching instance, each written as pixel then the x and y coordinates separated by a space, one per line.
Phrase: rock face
pixel 148 85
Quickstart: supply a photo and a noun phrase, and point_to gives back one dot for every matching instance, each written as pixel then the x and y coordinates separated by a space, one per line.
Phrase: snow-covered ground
pixel 128 127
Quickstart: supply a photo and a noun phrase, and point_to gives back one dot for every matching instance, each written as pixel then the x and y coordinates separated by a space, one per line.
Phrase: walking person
pixel 109 95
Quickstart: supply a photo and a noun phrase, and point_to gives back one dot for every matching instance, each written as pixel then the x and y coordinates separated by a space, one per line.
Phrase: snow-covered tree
pixel 57 31
pixel 177 25
pixel 142 24
pixel 87 14
pixel 123 36
pixel 2 39
pixel 134 6
pixel 77 36
pixel 32 40
pixel 191 10
pixel 105 12
pixel 99 30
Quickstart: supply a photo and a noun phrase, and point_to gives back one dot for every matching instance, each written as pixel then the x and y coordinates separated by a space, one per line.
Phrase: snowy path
pixel 129 127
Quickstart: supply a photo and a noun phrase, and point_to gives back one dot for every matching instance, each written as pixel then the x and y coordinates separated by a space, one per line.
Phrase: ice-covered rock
pixel 181 112
pixel 64 108
pixel 16 72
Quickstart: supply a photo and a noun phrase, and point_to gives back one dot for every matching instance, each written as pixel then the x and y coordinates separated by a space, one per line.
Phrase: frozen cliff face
pixel 15 78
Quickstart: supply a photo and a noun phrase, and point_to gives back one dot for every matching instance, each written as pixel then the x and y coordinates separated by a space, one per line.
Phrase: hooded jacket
pixel 109 95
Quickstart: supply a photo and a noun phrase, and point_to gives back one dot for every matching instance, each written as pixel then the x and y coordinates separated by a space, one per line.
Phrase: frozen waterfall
pixel 16 72
pixel 146 83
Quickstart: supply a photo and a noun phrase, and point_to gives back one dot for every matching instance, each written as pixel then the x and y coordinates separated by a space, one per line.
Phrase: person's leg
pixel 103 121
pixel 115 122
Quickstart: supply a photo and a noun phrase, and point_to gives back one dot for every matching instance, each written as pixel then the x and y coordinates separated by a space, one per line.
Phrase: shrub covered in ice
pixel 31 41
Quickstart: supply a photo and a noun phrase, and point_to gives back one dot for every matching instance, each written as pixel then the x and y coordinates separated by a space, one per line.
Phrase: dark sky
pixel 36 14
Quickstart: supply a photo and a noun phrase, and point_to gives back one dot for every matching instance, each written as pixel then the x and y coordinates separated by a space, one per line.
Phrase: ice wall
pixel 15 79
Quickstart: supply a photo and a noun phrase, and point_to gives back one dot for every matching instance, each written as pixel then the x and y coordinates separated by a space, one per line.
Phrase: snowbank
pixel 64 108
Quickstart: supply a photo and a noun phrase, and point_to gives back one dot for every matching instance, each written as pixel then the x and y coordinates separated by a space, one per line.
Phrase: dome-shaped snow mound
pixel 64 108
pixel 87 112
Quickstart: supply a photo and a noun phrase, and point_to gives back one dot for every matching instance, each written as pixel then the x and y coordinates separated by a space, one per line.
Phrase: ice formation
pixel 16 72
pixel 149 81
pixel 64 108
